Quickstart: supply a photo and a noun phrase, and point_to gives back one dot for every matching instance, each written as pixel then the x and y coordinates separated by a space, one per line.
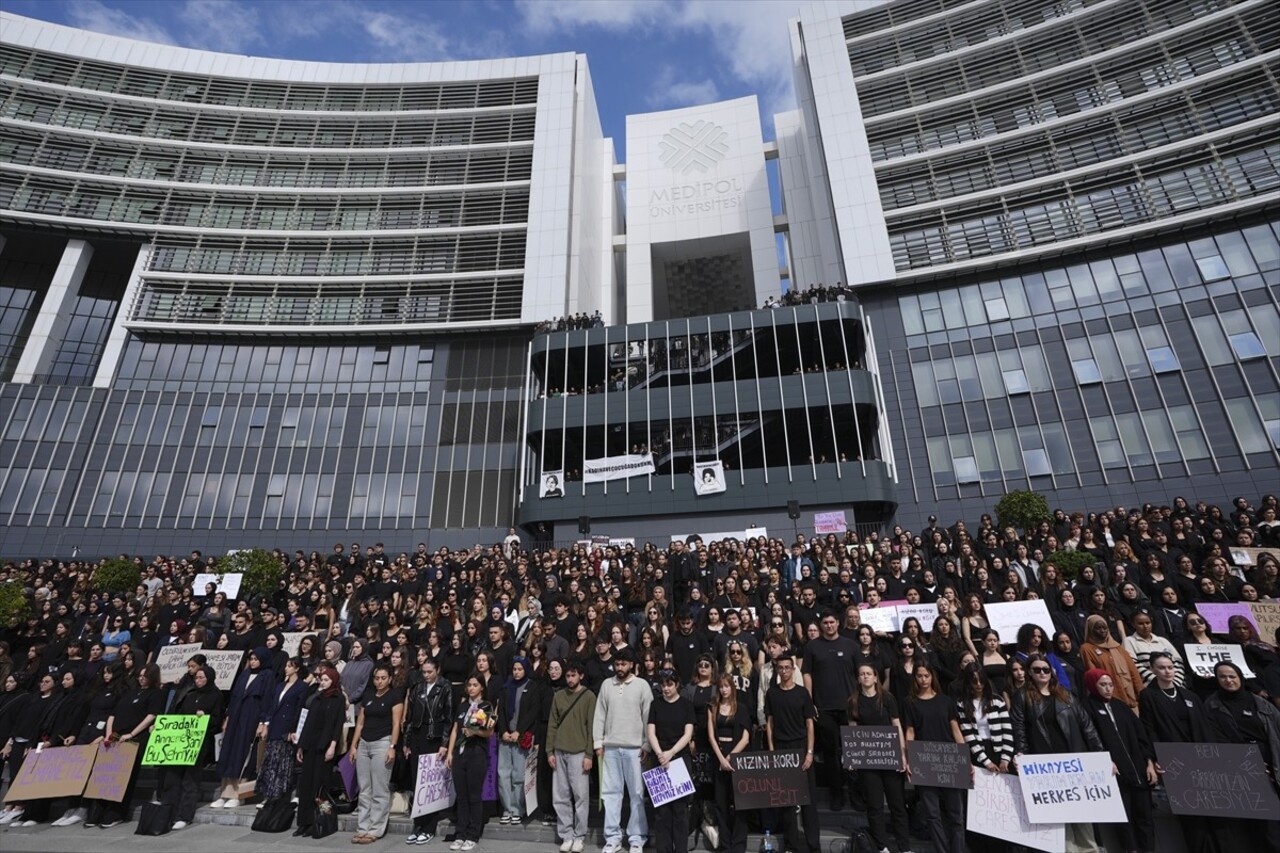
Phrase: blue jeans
pixel 511 759
pixel 621 770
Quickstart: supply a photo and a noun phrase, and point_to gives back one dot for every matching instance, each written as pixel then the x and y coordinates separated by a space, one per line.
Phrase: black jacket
pixel 325 716
pixel 1030 730
pixel 1125 738
pixel 429 716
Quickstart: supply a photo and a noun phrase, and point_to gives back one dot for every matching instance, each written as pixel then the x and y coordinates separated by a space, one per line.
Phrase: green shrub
pixel 117 575
pixel 1022 510
pixel 261 571
pixel 1070 563
pixel 14 606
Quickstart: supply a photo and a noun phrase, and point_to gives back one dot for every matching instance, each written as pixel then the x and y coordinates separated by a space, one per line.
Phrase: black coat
pixel 325 716
pixel 1125 738
pixel 1030 728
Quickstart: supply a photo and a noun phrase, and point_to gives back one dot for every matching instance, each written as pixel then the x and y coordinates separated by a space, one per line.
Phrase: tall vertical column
pixel 51 323
pixel 119 334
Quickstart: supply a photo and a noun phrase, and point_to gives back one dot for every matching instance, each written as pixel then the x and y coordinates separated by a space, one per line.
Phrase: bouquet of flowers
pixel 478 719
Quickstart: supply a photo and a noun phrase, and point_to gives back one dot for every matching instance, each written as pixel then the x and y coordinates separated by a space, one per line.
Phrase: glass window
pixel 926 388
pixel 1082 285
pixel 1131 353
pixel 971 298
pixel 1107 440
pixel 1267 321
pixel 1010 453
pixel 1248 426
pixel 1015 381
pixel 1235 252
pixel 1015 298
pixel 940 460
pixel 1037 369
pixel 1247 345
pixel 912 321
pixel 1110 364
pixel 997 309
pixel 966 468
pixel 1163 360
pixel 1086 371
pixel 931 312
pixel 989 373
pixel 1263 245
pixel 1136 448
pixel 967 376
pixel 1190 437
pixel 1037 462
pixel 1163 442
pixel 1213 268
pixel 1106 278
pixel 1055 444
pixel 1212 341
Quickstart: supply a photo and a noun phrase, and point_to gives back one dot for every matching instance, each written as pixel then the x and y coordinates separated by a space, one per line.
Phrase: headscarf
pixel 1108 642
pixel 355 675
pixel 1091 679
pixel 335 647
pixel 515 688
pixel 263 654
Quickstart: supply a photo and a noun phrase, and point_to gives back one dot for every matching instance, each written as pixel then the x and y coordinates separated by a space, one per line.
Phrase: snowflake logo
pixel 693 147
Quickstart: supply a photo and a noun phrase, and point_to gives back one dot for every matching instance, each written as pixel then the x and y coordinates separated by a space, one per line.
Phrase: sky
pixel 644 55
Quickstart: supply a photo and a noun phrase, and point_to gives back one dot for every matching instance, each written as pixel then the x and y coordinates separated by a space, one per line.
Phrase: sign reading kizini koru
pixel 1057 787
pixel 764 780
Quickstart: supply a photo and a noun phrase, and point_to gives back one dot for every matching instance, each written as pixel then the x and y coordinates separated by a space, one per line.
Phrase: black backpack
pixel 860 842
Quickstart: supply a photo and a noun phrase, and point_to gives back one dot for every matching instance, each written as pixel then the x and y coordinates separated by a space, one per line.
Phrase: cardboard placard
pixel 1225 779
pixel 926 614
pixel 112 769
pixel 764 780
pixel 996 810
pixel 226 666
pixel 228 583
pixel 433 790
pixel 870 748
pixel 176 740
pixel 59 771
pixel 172 661
pixel 667 784
pixel 882 619
pixel 829 522
pixel 1203 658
pixel 292 640
pixel 531 780
pixel 1059 787
pixel 1006 617
pixel 935 764
pixel 1266 618
pixel 1217 615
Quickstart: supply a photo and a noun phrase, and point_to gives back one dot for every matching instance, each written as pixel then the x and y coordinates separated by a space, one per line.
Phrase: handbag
pixel 155 819
pixel 275 816
pixel 245 788
pixel 326 822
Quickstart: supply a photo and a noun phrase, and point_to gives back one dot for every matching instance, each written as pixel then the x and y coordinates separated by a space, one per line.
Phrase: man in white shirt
pixel 618 733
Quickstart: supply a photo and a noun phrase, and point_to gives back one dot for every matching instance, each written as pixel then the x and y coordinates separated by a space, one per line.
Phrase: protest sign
pixel 996 810
pixel 1203 658
pixel 870 748
pixel 1266 618
pixel 175 740
pixel 291 641
pixel 226 665
pixel 1224 779
pixel 302 721
pixel 882 619
pixel 1006 617
pixel 228 583
pixel 1217 615
pixel 172 660
pixel 531 780
pixel 669 783
pixel 112 767
pixel 60 771
pixel 433 790
pixel 926 614
pixel 829 522
pixel 935 764
pixel 1057 786
pixel 769 779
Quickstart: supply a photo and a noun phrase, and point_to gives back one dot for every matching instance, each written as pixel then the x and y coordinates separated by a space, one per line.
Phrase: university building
pixel 249 301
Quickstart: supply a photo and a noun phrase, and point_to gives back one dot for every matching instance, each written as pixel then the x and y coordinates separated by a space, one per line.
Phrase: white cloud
pixel 95 16
pixel 405 39
pixel 222 25
pixel 669 92
pixel 545 16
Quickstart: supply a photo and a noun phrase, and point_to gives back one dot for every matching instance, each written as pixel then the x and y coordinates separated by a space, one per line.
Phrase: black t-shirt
pixel 931 718
pixel 872 713
pixel 377 714
pixel 134 707
pixel 831 665
pixel 669 719
pixel 729 730
pixel 789 710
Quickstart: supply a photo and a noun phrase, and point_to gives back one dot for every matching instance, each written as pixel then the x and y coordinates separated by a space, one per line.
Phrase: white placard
pixel 882 619
pixel 708 538
pixel 172 660
pixel 708 478
pixel 996 810
pixel 1059 788
pixel 433 790
pixel 217 746
pixel 551 485
pixel 1203 658
pixel 226 666
pixel 531 780
pixel 1006 617
pixel 829 522
pixel 228 583
pixel 667 784
pixel 292 640
pixel 926 613
pixel 302 721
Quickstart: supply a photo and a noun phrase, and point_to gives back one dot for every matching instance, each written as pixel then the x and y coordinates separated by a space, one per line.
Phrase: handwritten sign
pixel 829 522
pixel 531 780
pixel 112 768
pixel 996 810
pixel 292 640
pixel 433 790
pixel 226 666
pixel 1059 787
pixel 1266 618
pixel 668 784
pixel 176 740
pixel 1006 617
pixel 228 583
pixel 882 619
pixel 764 780
pixel 925 614
pixel 1217 615
pixel 1203 658
pixel 172 660
pixel 935 764
pixel 60 771
pixel 1225 779
pixel 870 748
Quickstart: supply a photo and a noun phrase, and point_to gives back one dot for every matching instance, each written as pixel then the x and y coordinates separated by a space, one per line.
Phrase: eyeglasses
pixel 737 653
pixel 1041 670
pixel 704 665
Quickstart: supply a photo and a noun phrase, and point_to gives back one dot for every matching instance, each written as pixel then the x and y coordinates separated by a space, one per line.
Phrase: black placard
pixel 1226 779
pixel 939 765
pixel 763 780
pixel 870 748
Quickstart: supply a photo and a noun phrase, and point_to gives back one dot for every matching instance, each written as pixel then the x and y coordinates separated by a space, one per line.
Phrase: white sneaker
pixel 567 846
pixel 179 824
pixel 62 821
pixel 612 847
pixel 712 834
pixel 9 815
pixel 457 845
pixel 637 848
pixel 578 844
pixel 231 803
pixel 468 845
pixel 217 804
pixel 26 823
pixel 74 818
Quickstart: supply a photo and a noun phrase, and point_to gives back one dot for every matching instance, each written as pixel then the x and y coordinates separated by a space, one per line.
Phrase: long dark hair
pixel 974 676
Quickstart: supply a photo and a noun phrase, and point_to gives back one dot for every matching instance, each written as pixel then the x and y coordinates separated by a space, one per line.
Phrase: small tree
pixel 1022 510
pixel 261 571
pixel 14 606
pixel 117 575
pixel 1070 563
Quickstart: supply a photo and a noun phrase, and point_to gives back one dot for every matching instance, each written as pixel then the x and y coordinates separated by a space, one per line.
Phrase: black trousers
pixel 427 823
pixel 944 817
pixel 878 788
pixel 732 826
pixel 313 778
pixel 671 826
pixel 826 735
pixel 183 791
pixel 800 825
pixel 1140 832
pixel 469 769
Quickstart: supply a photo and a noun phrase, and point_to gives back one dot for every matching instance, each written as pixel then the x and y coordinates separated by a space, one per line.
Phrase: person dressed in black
pixel 130 722
pixel 729 732
pixel 931 716
pixel 319 743
pixel 100 699
pixel 468 758
pixel 789 724
pixel 1237 716
pixel 869 705
pixel 428 715
pixel 670 730
pixel 203 700
pixel 1133 756
pixel 828 668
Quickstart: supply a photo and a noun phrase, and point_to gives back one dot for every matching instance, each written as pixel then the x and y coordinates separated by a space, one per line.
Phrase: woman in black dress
pixel 871 706
pixel 204 700
pixel 130 722
pixel 319 742
pixel 728 732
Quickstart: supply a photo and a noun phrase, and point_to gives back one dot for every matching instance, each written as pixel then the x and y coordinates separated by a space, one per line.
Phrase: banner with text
pixel 996 810
pixel 1223 779
pixel 226 666
pixel 228 584
pixel 870 748
pixel 1006 617
pixel 667 784
pixel 829 522
pixel 112 768
pixel 617 467
pixel 708 478
pixel 59 771
pixel 1266 618
pixel 1203 658
pixel 763 780
pixel 433 789
pixel 175 740
pixel 172 661
pixel 1056 787
pixel 1217 615
pixel 939 764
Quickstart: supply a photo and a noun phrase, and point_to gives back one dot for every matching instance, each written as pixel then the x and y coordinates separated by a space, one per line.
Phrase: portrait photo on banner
pixel 708 478
pixel 551 485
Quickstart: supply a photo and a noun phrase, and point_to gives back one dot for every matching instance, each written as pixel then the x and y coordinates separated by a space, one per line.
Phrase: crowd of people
pixel 572 322
pixel 811 295
pixel 632 657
